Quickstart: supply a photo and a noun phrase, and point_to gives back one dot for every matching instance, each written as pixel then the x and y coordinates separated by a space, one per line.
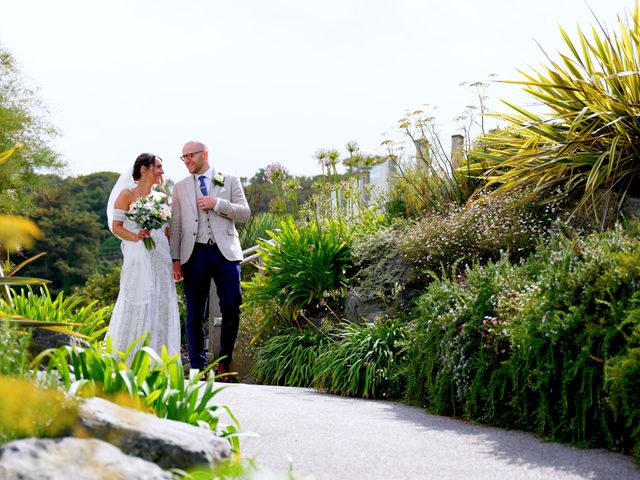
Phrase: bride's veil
pixel 124 181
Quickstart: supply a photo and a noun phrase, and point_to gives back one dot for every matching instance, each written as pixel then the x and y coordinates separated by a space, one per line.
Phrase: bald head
pixel 193 146
pixel 196 157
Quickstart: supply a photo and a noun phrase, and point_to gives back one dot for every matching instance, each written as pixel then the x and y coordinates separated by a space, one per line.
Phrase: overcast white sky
pixel 263 81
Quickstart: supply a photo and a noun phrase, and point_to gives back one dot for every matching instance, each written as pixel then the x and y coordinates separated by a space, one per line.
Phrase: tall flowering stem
pixel 277 174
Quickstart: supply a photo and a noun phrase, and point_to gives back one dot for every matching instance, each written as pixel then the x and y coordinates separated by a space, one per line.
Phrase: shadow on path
pixel 522 449
pixel 332 437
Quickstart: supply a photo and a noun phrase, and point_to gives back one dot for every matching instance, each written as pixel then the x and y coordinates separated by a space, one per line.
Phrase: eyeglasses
pixel 189 156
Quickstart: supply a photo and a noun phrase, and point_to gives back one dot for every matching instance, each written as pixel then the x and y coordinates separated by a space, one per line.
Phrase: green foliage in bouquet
pixel 150 213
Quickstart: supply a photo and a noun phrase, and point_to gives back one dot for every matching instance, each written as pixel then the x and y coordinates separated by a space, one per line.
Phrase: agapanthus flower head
pixel 275 172
pixel 322 156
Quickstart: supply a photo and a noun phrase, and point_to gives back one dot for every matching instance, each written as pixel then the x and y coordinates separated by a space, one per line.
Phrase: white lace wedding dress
pixel 147 302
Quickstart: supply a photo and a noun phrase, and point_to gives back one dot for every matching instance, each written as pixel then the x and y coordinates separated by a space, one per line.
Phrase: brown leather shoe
pixel 223 375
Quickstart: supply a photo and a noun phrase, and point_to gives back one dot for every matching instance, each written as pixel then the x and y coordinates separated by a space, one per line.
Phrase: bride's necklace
pixel 140 191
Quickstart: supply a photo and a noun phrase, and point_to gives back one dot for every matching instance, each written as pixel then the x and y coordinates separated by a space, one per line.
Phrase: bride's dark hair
pixel 143 160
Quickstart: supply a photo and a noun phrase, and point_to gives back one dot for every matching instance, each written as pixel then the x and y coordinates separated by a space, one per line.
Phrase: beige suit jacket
pixel 231 206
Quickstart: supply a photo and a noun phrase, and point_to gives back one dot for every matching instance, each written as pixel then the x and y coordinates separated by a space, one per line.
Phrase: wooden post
pixel 215 322
pixel 457 151
pixel 7 292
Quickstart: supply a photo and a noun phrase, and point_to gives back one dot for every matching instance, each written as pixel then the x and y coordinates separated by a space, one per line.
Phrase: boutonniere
pixel 218 179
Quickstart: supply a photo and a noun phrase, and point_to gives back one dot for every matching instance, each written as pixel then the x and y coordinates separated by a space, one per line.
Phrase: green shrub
pixel 550 345
pixel 256 228
pixel 351 360
pixel 244 469
pixel 379 267
pixel 304 273
pixel 89 319
pixel 579 320
pixel 290 359
pixel 364 361
pixel 153 380
pixel 622 376
pixel 479 231
pixel 14 345
pixel 103 287
pixel 455 341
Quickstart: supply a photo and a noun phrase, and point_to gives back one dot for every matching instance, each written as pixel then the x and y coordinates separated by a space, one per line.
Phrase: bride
pixel 147 302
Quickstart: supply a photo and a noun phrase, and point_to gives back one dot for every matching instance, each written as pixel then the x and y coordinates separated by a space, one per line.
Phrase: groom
pixel 205 246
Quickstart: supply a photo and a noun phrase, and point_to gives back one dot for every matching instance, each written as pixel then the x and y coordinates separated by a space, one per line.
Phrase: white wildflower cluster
pixel 487 229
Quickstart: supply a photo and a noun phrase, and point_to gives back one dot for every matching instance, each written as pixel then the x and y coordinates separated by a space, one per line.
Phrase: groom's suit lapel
pixel 214 190
pixel 191 187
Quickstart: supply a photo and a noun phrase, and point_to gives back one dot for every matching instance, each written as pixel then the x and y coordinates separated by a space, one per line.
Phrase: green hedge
pixel 551 345
pixel 352 360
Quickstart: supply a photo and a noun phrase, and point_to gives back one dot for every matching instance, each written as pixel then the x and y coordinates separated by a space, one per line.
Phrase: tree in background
pixel 72 233
pixel 261 192
pixel 23 119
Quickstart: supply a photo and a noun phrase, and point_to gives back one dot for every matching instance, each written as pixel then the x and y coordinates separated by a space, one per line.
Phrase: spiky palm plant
pixel 586 143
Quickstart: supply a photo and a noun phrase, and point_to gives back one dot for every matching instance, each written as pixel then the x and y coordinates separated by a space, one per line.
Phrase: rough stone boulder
pixel 168 443
pixel 43 339
pixel 69 458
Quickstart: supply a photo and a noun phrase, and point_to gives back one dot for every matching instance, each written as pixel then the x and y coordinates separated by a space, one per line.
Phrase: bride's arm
pixel 122 204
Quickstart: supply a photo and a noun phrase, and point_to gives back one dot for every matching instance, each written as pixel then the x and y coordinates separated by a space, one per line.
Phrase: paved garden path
pixel 331 437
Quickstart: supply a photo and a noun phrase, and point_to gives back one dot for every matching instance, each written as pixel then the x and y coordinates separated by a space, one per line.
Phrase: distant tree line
pixel 70 211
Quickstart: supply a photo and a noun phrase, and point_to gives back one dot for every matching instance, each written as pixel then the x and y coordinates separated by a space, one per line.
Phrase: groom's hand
pixel 177 270
pixel 206 203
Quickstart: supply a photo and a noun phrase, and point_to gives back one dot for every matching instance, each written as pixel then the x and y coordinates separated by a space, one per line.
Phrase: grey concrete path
pixel 331 437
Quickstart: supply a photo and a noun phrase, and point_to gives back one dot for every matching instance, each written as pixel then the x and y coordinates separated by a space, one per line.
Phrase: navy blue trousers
pixel 206 264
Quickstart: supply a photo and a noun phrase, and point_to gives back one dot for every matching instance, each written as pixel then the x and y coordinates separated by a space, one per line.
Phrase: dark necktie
pixel 203 186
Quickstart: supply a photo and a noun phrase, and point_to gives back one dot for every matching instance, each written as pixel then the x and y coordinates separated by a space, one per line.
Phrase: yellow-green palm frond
pixel 586 135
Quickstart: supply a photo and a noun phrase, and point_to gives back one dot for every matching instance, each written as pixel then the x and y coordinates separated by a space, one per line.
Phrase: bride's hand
pixel 142 234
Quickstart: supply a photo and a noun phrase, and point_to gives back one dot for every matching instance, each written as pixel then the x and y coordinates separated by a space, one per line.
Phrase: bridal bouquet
pixel 150 213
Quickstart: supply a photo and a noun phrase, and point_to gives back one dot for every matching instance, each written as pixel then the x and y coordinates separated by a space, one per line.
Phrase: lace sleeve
pixel 119 215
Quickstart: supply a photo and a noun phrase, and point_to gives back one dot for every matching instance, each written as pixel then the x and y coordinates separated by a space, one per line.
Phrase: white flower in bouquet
pixel 157 195
pixel 150 213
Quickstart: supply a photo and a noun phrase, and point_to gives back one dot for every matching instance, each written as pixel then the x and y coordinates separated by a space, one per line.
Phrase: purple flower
pixel 275 172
